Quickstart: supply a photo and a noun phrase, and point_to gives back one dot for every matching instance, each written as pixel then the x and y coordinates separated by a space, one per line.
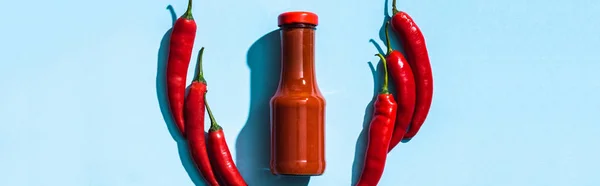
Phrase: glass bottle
pixel 297 108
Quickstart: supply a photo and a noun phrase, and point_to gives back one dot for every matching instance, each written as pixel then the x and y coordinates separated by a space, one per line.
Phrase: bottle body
pixel 297 108
pixel 298 135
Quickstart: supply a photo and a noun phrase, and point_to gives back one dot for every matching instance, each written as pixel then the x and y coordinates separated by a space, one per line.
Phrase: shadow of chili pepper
pixel 253 144
pixel 161 94
pixel 377 88
pixel 361 141
pixel 394 41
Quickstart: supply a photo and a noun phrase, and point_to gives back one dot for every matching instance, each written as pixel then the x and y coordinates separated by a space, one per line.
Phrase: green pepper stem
pixel 200 76
pixel 384 88
pixel 213 123
pixel 387 37
pixel 394 9
pixel 188 12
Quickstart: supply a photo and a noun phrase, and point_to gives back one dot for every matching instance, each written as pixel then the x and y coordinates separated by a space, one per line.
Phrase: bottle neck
pixel 297 58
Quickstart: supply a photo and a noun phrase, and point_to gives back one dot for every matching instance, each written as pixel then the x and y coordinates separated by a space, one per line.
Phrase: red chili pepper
pixel 416 50
pixel 222 161
pixel 194 118
pixel 380 133
pixel 404 81
pixel 180 53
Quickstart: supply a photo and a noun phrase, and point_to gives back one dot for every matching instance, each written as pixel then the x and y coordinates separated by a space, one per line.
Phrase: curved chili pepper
pixel 180 53
pixel 418 57
pixel 404 81
pixel 194 118
pixel 222 161
pixel 380 133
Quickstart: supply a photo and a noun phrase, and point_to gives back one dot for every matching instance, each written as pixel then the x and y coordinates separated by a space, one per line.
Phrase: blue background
pixel 515 101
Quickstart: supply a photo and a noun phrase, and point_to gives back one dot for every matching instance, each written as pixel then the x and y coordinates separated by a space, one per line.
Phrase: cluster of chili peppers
pixel 412 76
pixel 211 155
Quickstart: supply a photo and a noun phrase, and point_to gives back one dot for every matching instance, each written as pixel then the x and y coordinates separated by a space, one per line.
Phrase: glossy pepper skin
pixel 404 81
pixel 180 52
pixel 194 123
pixel 380 133
pixel 222 162
pixel 418 57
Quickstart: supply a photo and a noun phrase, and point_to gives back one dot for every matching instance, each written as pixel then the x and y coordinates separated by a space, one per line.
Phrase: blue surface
pixel 515 103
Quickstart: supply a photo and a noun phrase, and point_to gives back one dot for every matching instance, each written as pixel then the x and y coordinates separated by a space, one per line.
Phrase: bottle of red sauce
pixel 298 108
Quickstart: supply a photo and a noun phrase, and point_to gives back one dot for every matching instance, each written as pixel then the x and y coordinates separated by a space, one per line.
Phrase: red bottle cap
pixel 298 17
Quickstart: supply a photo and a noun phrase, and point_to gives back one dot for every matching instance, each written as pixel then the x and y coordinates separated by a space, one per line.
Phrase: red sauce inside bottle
pixel 298 108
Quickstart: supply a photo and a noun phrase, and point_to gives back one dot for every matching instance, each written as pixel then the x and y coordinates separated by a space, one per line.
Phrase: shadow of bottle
pixel 253 144
pixel 163 102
